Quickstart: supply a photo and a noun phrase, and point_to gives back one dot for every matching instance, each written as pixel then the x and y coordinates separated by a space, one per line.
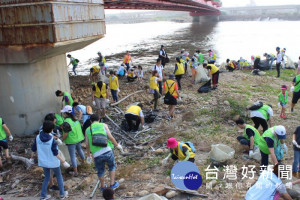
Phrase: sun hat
pixel 280 131
pixel 67 109
pixel 172 142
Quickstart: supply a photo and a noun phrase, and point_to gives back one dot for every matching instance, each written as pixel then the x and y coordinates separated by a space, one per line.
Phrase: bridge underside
pixel 197 7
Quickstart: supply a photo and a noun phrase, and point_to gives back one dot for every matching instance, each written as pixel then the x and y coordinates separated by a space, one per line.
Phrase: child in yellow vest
pixel 179 151
pixel 154 87
pixel 114 85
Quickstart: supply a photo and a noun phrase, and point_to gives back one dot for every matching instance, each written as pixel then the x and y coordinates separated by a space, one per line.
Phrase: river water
pixel 228 39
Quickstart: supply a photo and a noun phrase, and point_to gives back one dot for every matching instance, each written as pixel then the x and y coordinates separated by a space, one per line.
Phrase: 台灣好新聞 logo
pixel 185 175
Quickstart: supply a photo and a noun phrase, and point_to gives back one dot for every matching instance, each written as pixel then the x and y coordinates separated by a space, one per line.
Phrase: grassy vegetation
pixel 153 162
pixel 238 107
pixel 286 74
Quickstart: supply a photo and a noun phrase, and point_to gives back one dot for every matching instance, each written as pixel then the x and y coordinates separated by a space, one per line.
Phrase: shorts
pixel 3 144
pixel 296 97
pixel 100 103
pixel 194 72
pixel 100 161
pixel 283 104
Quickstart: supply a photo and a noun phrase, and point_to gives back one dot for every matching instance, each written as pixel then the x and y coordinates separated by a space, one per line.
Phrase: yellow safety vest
pixel 153 85
pixel 172 90
pixel 113 83
pixel 134 110
pixel 100 93
pixel 96 69
pixel 130 74
pixel 214 68
pixel 181 155
pixel 126 59
pixel 180 69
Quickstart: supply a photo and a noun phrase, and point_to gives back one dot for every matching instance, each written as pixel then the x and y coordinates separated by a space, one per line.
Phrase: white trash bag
pixel 201 75
pixel 153 197
pixel 220 153
pixel 289 63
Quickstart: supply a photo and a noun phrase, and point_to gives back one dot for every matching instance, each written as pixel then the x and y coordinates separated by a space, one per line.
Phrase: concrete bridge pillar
pixel 34 37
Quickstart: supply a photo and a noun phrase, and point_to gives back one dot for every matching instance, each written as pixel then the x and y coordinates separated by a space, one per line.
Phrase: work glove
pixel 250 153
pixel 289 185
pixel 279 105
pixel 31 160
pixel 10 138
pixel 58 141
pixel 144 127
pixel 66 164
pixel 118 90
pixel 295 143
pixel 285 148
pixel 292 89
pixel 89 160
pixel 164 161
pixel 94 103
pixel 120 148
pixel 179 99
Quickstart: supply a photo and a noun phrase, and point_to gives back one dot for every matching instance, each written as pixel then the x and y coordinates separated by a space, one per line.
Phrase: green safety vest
pixel 262 144
pixel 97 128
pixel 2 132
pixel 76 134
pixel 283 99
pixel 264 111
pixel 74 62
pixel 256 134
pixel 59 120
pixel 297 84
pixel 67 94
pixel 200 58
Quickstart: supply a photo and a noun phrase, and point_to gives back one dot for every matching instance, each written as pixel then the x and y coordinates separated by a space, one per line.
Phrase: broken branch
pixel 114 104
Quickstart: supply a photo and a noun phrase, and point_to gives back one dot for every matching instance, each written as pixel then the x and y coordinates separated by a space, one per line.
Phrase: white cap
pixel 280 131
pixel 67 109
pixel 99 52
pixel 182 49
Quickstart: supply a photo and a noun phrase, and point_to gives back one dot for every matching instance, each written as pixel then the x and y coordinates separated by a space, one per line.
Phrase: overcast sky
pixel 231 3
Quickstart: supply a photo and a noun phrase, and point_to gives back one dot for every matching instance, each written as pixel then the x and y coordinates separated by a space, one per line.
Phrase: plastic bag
pixel 201 75
pixel 221 153
pixel 153 197
pixel 256 154
pixel 289 63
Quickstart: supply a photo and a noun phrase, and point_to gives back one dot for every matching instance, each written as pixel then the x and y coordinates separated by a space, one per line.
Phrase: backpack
pixel 77 60
pixel 257 105
pixel 189 144
pixel 169 99
pixel 89 110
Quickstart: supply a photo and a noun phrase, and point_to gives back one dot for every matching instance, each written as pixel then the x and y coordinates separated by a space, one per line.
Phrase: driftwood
pixel 192 192
pixel 26 161
pixel 131 139
pixel 4 173
pixel 143 131
pixel 114 104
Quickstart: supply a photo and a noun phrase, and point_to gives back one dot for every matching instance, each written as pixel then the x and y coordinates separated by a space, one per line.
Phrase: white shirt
pixel 159 69
pixel 256 113
pixel 162 52
pixel 279 58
